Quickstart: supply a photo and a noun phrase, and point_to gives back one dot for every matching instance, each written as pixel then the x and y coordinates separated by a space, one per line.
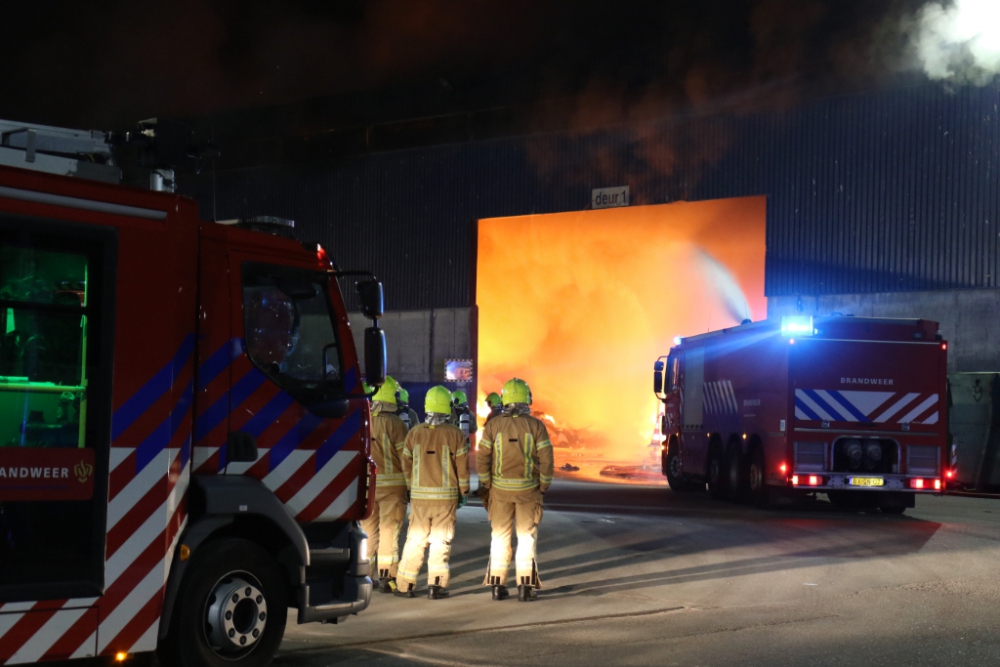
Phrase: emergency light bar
pixel 797 325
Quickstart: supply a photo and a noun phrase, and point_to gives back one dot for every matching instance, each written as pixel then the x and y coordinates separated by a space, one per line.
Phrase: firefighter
pixel 435 461
pixel 411 419
pixel 389 508
pixel 515 468
pixel 496 405
pixel 462 415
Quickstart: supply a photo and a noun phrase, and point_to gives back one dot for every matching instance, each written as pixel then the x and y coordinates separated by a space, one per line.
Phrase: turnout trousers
pixel 432 522
pixel 383 526
pixel 510 512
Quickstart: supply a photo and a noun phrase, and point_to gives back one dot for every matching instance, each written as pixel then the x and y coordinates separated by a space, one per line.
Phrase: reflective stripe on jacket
pixel 436 462
pixel 388 434
pixel 515 454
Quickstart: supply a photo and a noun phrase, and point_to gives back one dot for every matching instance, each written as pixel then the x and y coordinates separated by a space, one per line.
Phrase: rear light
pixel 815 480
pixel 937 485
pixel 949 473
pixel 916 483
pixel 783 468
pixel 944 346
pixel 808 480
pixel 795 480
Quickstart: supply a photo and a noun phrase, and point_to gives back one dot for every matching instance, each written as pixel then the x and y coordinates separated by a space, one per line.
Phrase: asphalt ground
pixel 638 575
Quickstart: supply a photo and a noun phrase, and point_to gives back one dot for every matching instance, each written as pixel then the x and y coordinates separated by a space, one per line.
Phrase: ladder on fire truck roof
pixel 56 150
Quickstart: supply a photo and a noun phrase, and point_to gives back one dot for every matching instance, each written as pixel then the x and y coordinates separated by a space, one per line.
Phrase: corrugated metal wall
pixel 882 192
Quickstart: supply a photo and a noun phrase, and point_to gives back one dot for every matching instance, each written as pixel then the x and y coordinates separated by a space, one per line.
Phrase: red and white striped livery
pixel 184 437
pixel 853 407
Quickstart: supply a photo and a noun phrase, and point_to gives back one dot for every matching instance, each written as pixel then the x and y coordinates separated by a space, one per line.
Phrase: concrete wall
pixel 419 341
pixel 970 319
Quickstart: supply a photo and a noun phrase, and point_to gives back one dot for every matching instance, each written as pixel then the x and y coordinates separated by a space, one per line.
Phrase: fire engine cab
pixel 184 437
pixel 852 407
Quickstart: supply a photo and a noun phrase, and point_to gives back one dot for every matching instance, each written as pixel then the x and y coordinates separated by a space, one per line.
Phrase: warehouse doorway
pixel 580 304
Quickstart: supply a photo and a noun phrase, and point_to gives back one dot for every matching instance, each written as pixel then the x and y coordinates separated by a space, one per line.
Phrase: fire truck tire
pixel 672 469
pixel 717 473
pixel 757 479
pixel 231 608
pixel 738 471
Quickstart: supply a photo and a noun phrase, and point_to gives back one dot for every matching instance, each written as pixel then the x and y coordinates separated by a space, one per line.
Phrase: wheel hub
pixel 675 466
pixel 236 615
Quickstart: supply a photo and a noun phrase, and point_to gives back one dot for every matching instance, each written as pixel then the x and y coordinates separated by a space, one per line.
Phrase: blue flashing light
pixel 797 325
pixel 678 340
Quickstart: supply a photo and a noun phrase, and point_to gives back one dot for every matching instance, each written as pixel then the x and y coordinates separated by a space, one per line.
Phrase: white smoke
pixel 959 41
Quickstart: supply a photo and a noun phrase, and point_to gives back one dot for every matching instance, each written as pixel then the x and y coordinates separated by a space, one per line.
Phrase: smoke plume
pixel 960 42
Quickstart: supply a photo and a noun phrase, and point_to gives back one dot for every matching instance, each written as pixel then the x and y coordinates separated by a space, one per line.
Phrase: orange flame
pixel 581 304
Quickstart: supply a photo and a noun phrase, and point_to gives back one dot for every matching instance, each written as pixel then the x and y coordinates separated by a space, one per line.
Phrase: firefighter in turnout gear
pixel 411 419
pixel 496 405
pixel 515 468
pixel 435 461
pixel 389 509
pixel 462 415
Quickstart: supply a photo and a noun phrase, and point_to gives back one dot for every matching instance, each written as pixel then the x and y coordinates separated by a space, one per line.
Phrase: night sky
pixel 107 64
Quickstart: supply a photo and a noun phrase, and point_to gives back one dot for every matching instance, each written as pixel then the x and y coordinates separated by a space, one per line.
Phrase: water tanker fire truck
pixel 849 406
pixel 184 438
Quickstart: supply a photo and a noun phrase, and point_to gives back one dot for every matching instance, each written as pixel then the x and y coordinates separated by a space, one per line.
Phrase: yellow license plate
pixel 867 481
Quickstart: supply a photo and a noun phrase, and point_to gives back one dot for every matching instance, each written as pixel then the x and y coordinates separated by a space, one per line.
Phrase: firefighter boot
pixel 500 593
pixel 408 593
pixel 388 585
pixel 437 593
pixel 525 592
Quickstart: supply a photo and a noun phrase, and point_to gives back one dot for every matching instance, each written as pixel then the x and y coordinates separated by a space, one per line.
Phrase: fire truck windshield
pixel 288 324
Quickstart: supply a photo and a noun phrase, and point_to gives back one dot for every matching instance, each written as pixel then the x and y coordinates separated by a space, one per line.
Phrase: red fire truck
pixel 849 406
pixel 184 438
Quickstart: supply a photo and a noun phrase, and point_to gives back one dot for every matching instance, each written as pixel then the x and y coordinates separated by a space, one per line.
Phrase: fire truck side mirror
pixel 658 377
pixel 372 299
pixel 375 356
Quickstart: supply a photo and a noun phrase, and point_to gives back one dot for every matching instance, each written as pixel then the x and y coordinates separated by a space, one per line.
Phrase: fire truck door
pixel 56 347
pixel 285 317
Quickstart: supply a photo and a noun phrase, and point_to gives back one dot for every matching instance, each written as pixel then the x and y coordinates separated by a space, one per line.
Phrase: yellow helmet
pixel 387 392
pixel 404 395
pixel 459 397
pixel 438 400
pixel 493 399
pixel 515 390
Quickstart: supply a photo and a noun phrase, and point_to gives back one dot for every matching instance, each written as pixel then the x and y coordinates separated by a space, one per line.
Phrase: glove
pixel 463 500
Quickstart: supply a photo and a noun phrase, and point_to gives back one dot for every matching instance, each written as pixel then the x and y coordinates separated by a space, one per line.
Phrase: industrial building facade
pixel 883 203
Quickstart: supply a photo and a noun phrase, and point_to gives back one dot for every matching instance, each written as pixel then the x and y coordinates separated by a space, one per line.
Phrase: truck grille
pixel 922 460
pixel 810 456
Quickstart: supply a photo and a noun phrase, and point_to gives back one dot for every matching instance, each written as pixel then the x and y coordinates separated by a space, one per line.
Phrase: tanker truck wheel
pixel 757 479
pixel 718 473
pixel 672 469
pixel 738 472
pixel 231 608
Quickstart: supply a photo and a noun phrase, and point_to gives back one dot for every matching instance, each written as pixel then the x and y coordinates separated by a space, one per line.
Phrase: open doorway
pixel 580 304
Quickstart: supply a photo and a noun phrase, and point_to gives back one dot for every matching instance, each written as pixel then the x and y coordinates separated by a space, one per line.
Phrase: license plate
pixel 867 481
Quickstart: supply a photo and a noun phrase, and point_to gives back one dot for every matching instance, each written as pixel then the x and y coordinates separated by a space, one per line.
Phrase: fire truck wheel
pixel 672 469
pixel 738 473
pixel 231 608
pixel 717 473
pixel 757 479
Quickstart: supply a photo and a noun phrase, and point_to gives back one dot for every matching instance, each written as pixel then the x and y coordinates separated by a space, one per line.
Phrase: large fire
pixel 581 304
